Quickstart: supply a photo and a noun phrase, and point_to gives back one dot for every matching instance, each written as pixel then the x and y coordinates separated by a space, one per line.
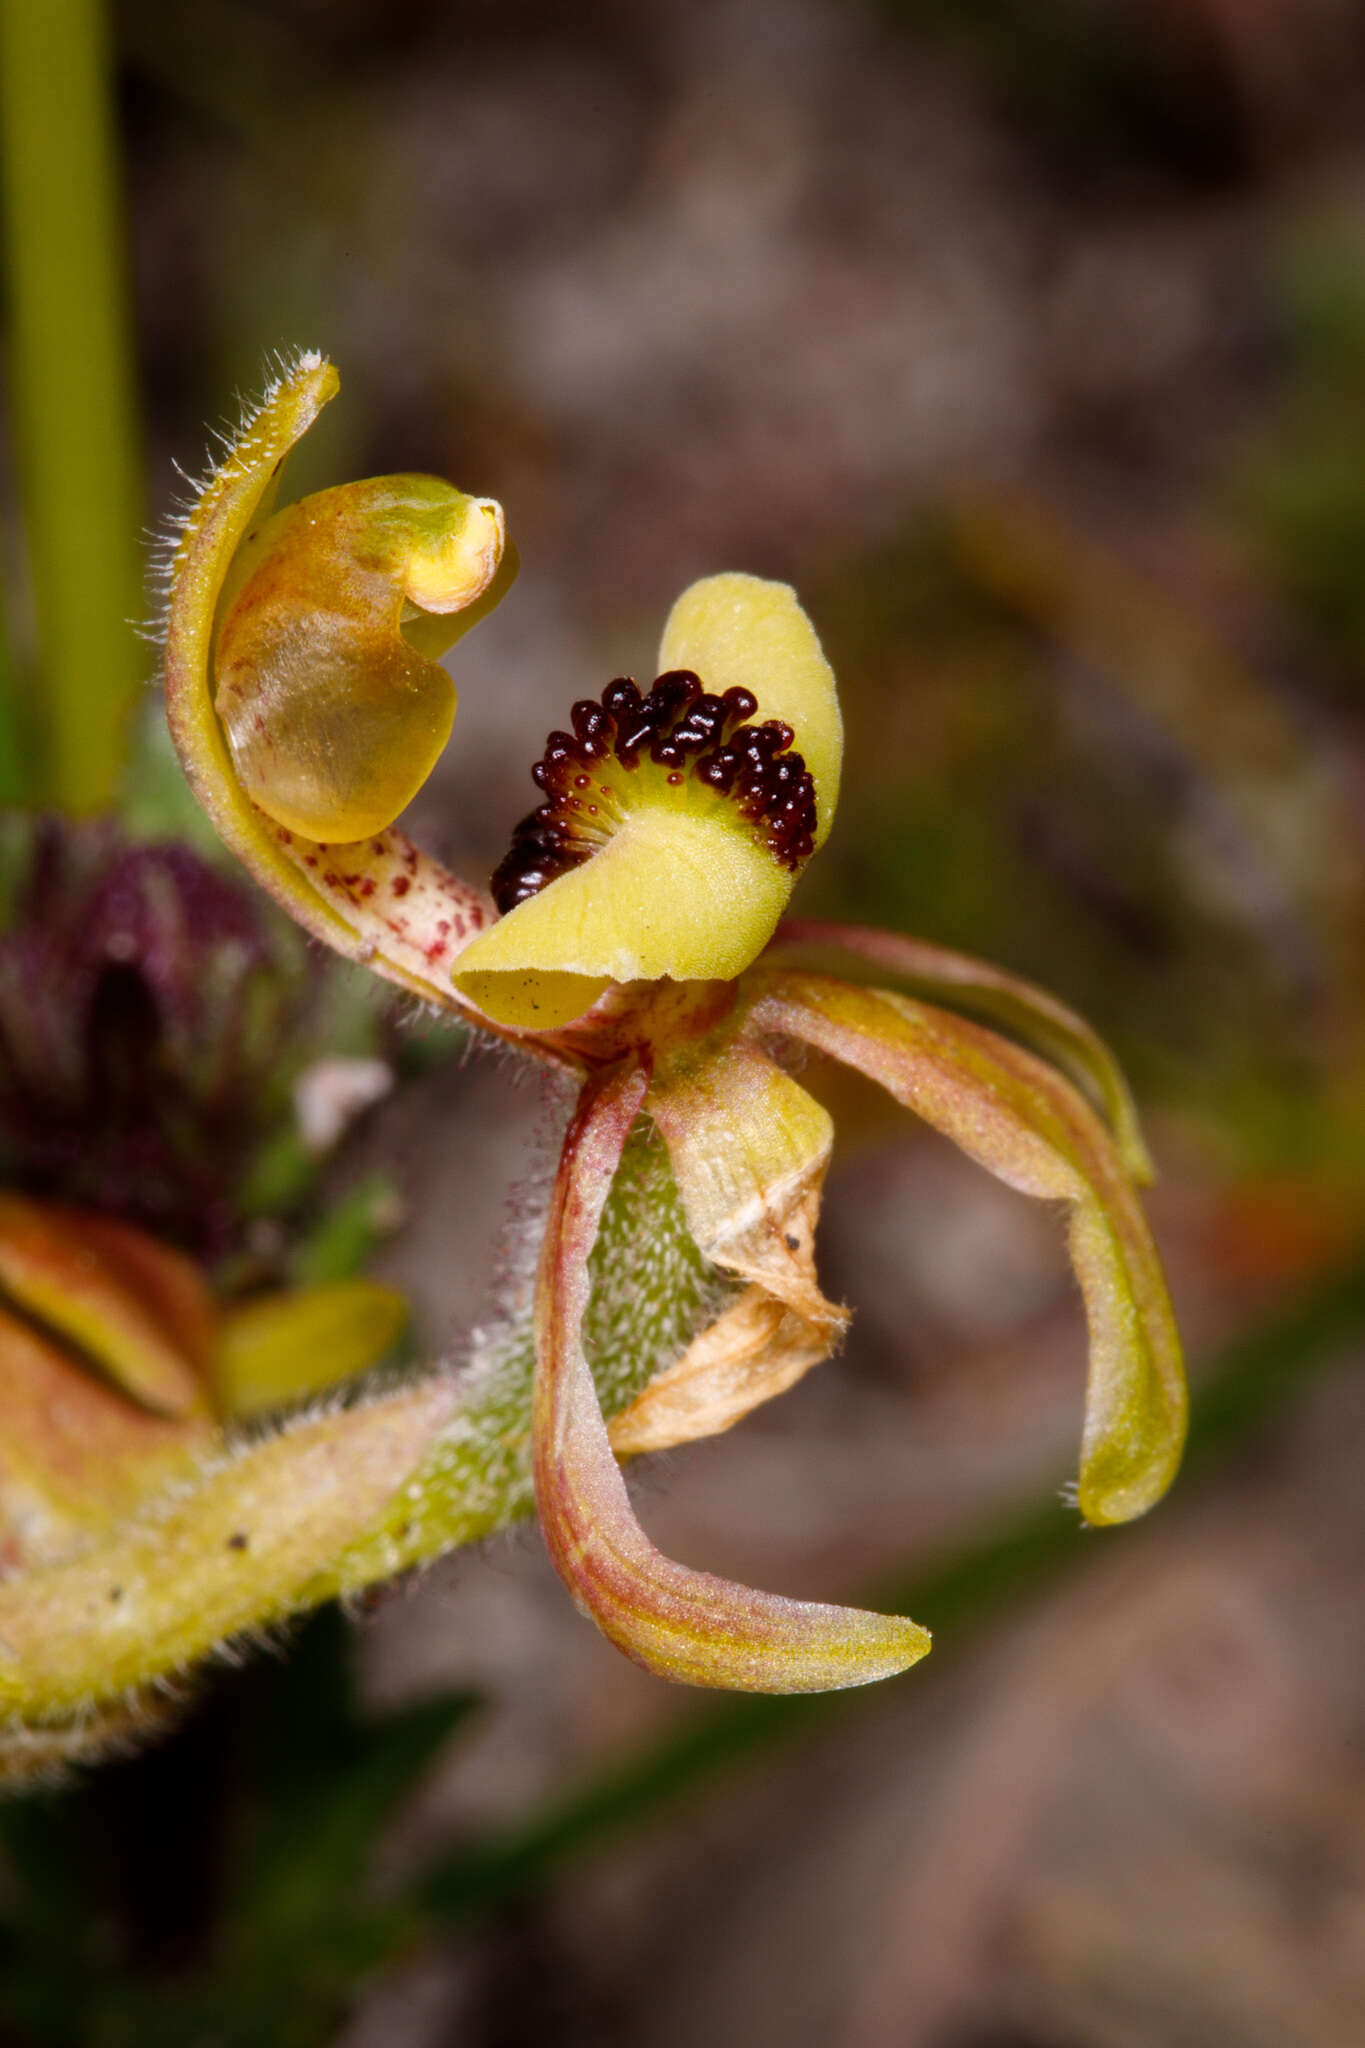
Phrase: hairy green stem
pixel 323 1507
pixel 652 1290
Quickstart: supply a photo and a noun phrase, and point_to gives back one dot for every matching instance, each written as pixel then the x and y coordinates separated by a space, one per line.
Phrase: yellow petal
pixel 335 719
pixel 749 1148
pixel 747 1143
pixel 738 631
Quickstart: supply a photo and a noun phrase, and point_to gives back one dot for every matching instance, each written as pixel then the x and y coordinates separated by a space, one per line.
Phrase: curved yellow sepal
pixel 423 560
pixel 216 528
pixel 688 1626
pixel 1027 1125
pixel 958 982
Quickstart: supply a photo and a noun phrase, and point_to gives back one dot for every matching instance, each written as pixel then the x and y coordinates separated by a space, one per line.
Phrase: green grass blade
pixel 71 388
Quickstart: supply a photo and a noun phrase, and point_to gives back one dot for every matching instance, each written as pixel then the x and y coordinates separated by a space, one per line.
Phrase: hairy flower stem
pixel 247 1542
pixel 651 1292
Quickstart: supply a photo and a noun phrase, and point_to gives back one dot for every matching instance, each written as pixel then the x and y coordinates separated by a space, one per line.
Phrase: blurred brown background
pixel 1027 339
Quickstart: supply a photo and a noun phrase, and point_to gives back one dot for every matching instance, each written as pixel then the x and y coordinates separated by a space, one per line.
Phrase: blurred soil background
pixel 1027 339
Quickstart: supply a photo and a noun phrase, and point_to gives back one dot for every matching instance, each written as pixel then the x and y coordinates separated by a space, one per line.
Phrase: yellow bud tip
pixel 458 568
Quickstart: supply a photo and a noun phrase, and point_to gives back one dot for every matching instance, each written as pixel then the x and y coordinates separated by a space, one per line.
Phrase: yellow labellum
pixel 685 888
pixel 670 895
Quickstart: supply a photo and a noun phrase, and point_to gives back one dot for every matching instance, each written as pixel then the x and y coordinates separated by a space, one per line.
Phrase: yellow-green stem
pixel 14 753
pixel 71 390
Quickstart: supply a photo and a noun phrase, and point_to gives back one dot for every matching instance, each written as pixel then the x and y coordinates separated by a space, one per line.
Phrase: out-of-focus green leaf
pixel 297 1786
pixel 347 1234
pixel 72 388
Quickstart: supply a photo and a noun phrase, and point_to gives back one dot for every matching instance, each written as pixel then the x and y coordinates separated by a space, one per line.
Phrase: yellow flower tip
pixel 453 565
pixel 326 682
pixel 675 822
pixel 1132 1447
pixel 742 632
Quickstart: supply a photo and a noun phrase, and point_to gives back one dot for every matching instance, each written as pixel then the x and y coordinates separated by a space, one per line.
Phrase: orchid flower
pixel 632 942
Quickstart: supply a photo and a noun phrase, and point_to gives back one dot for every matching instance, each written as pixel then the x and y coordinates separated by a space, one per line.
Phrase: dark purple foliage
pixel 150 1013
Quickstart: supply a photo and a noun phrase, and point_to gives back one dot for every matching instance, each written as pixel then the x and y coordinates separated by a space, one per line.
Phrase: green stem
pixel 273 1530
pixel 652 1290
pixel 14 754
pixel 71 388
